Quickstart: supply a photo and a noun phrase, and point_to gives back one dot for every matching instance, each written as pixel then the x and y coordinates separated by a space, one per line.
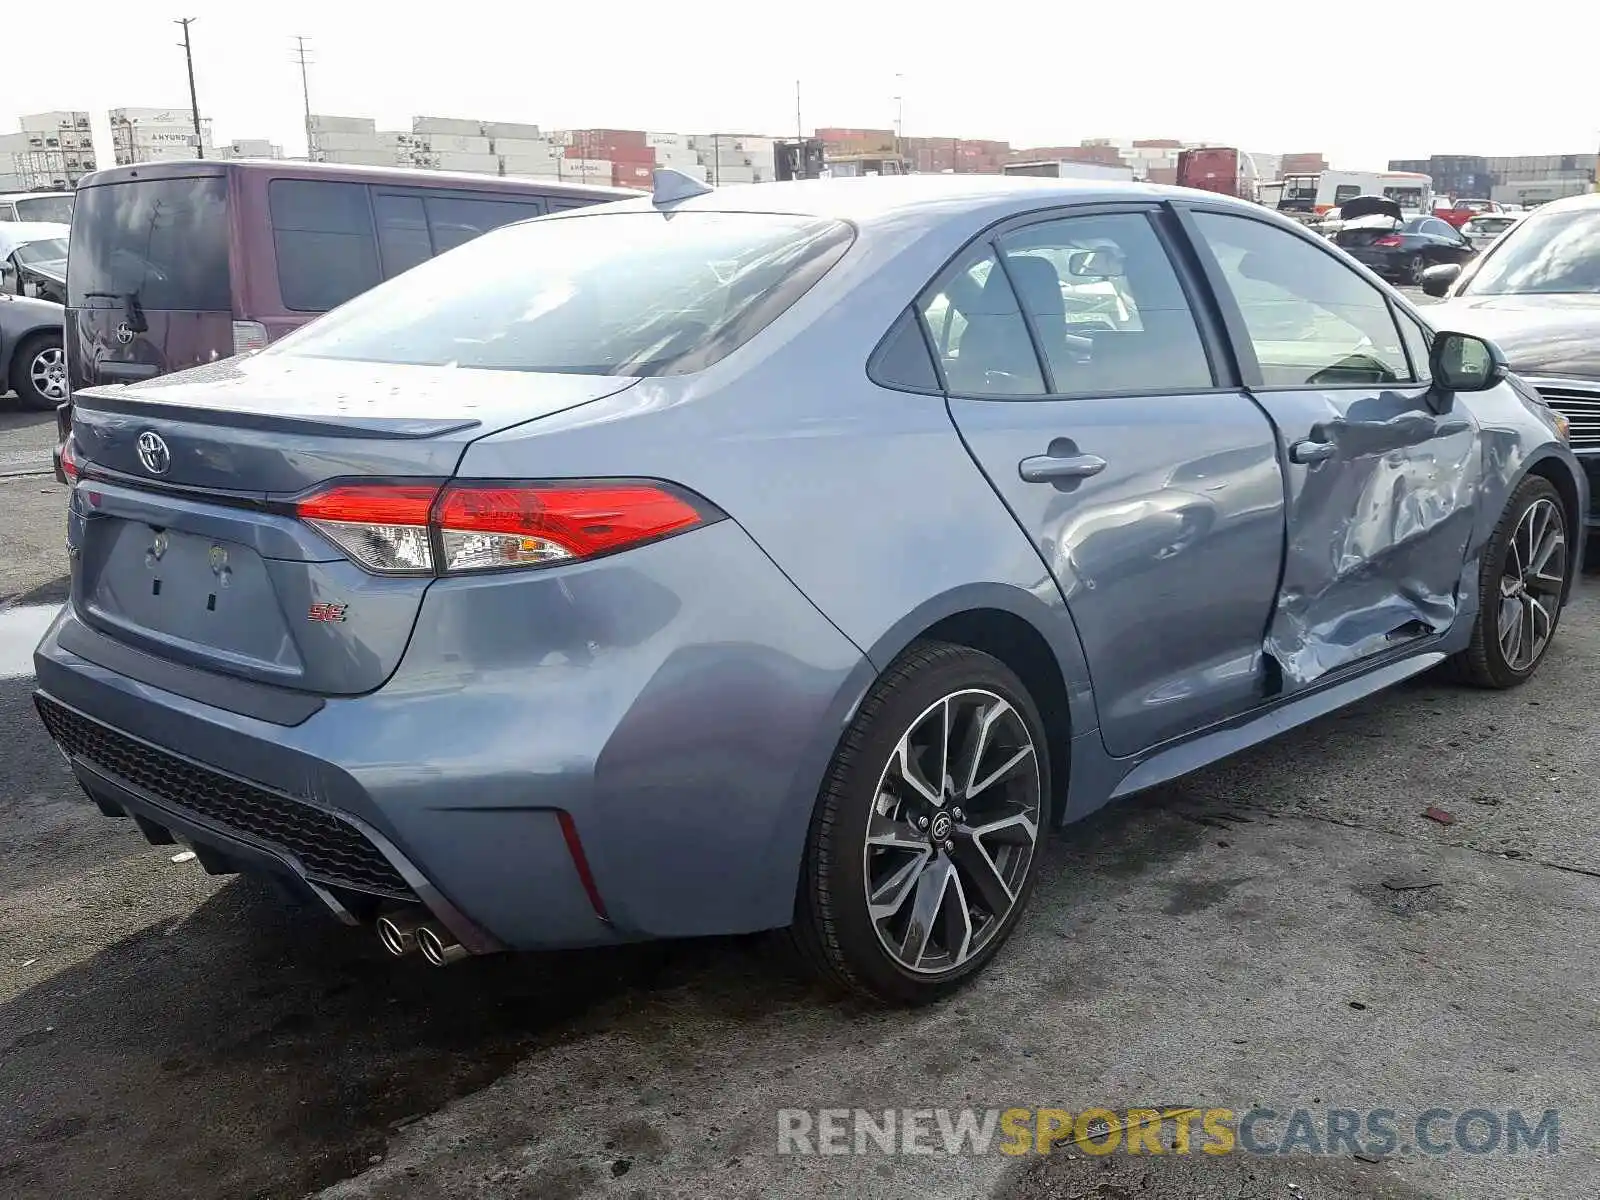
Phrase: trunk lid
pixel 191 551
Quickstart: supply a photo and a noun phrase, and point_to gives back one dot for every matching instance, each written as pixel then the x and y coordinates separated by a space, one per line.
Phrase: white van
pixel 1313 195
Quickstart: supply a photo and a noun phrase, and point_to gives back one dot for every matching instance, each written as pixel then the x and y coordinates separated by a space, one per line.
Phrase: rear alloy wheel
pixel 925 842
pixel 40 373
pixel 1522 586
pixel 1415 266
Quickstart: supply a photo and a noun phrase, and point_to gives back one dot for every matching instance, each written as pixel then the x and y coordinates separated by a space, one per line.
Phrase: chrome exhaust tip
pixel 398 933
pixel 438 946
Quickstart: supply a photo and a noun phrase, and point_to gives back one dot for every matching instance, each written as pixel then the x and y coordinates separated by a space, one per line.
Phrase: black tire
pixel 29 394
pixel 833 931
pixel 1484 662
pixel 1415 266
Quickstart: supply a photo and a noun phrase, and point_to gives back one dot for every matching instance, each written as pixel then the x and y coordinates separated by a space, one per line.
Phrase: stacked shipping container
pixel 140 135
pixel 51 150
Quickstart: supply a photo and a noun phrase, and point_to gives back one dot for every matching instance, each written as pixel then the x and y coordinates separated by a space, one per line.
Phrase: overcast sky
pixel 1360 80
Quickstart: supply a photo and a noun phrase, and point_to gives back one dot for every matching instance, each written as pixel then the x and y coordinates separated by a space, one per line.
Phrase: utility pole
pixel 900 121
pixel 194 103
pixel 799 125
pixel 305 94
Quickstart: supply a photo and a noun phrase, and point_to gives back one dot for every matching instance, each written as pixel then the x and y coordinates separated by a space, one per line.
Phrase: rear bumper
pixel 678 703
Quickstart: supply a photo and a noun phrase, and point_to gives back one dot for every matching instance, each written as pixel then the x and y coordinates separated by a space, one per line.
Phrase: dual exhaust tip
pixel 403 932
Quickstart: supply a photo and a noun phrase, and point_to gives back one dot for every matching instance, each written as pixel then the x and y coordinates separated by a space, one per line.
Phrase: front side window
pixel 978 332
pixel 1344 192
pixel 1419 343
pixel 1548 253
pixel 1312 321
pixel 635 293
pixel 1106 305
pixel 325 246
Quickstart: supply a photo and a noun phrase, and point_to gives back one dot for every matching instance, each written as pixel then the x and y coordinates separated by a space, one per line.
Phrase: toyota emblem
pixel 153 453
pixel 124 333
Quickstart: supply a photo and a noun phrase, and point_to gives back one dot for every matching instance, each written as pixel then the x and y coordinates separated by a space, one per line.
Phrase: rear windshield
pixel 162 242
pixel 45 208
pixel 639 293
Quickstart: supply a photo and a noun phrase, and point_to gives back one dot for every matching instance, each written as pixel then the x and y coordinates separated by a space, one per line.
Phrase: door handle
pixel 1047 468
pixel 1309 451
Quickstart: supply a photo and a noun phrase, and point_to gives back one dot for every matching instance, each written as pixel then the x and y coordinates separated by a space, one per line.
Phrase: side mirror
pixel 1436 281
pixel 1463 363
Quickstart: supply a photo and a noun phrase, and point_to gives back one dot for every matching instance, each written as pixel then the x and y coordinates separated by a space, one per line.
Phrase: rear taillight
pixel 1388 240
pixel 69 463
pixel 425 529
pixel 249 335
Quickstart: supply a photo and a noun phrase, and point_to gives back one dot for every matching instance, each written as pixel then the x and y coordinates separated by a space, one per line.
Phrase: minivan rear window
pixel 161 242
pixel 635 293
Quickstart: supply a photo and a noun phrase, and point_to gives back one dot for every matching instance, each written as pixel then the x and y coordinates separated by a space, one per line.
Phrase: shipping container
pixel 363 158
pixel 632 175
pixel 481 164
pixel 450 143
pixel 461 125
pixel 661 141
pixel 515 164
pixel 322 123
pixel 381 140
pixel 526 148
pixel 595 169
pixel 1212 169
pixel 1067 169
pixel 511 130
pixel 149 116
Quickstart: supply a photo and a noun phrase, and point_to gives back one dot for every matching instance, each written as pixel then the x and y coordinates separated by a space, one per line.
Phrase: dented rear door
pixel 1381 477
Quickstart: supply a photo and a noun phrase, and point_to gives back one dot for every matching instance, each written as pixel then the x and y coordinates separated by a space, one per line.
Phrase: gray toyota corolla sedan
pixel 791 556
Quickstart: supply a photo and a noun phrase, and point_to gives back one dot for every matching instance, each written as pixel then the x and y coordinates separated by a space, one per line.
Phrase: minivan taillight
pixel 248 335
pixel 426 529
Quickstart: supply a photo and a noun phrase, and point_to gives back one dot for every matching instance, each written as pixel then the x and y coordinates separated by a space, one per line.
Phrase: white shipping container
pixel 511 147
pixel 587 168
pixel 667 141
pixel 459 125
pixel 486 164
pixel 452 143
pixel 729 158
pixel 692 169
pixel 322 123
pixel 149 116
pixel 355 141
pixel 511 130
pixel 732 174
pixel 13 143
pixel 540 168
pixel 363 158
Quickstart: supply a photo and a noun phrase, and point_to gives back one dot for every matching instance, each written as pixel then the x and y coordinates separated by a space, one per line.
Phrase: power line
pixel 194 103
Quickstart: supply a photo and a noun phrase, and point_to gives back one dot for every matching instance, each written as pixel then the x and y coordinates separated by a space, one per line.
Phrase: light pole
pixel 194 104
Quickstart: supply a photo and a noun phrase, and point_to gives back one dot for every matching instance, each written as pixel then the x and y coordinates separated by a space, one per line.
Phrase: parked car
pixel 790 556
pixel 1482 230
pixel 31 361
pixel 1375 233
pixel 175 264
pixel 1536 291
pixel 1459 212
pixel 33 260
pixel 53 207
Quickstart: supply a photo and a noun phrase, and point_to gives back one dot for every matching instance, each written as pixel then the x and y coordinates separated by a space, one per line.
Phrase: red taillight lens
pixel 487 525
pixel 1388 240
pixel 69 463
pixel 391 528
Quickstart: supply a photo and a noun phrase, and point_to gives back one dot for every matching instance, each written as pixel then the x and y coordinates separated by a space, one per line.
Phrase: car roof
pixel 896 199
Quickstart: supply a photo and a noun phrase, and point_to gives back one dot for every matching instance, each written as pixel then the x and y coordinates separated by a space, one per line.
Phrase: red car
pixel 1462 211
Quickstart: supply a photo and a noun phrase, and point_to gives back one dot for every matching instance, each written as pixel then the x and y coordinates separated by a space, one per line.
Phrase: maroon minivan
pixel 174 264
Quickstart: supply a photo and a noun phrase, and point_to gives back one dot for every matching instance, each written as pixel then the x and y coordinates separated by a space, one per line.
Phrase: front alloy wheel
pixel 925 841
pixel 1522 587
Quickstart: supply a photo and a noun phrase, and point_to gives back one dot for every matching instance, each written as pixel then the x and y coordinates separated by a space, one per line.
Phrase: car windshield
pixel 47 250
pixel 638 293
pixel 1549 253
pixel 45 208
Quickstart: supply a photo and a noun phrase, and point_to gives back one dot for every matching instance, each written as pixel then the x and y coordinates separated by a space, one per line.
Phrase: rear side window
pixel 635 293
pixel 978 332
pixel 901 360
pixel 160 242
pixel 454 221
pixel 403 239
pixel 1106 306
pixel 324 240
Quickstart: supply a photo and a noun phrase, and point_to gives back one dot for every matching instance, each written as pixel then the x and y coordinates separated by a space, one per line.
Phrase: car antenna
pixel 670 186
